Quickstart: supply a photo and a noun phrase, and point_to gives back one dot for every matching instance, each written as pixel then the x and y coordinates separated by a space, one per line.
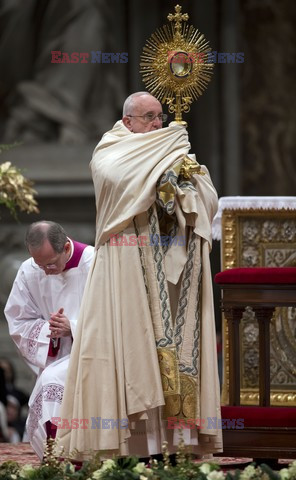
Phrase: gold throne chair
pixel 260 232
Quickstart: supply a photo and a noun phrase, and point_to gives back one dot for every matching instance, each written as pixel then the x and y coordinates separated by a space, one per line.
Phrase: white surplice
pixel 33 298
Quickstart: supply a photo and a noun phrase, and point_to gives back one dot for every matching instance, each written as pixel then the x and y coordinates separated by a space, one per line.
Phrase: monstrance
pixel 175 64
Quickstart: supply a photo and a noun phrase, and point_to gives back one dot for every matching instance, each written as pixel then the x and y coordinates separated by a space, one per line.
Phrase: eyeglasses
pixel 54 265
pixel 150 117
pixel 50 266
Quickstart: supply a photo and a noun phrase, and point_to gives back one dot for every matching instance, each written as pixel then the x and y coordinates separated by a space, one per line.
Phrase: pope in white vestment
pixel 33 298
pixel 144 357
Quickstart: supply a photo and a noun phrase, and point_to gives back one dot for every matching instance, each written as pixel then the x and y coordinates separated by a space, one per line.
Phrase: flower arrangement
pixel 16 192
pixel 131 469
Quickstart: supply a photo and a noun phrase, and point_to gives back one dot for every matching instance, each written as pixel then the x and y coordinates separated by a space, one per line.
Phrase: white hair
pixel 129 102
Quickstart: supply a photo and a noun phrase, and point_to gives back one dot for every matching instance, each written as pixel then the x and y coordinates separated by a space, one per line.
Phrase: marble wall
pixel 268 98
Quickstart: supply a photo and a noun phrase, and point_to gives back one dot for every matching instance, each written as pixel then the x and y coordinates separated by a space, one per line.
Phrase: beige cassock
pixel 144 356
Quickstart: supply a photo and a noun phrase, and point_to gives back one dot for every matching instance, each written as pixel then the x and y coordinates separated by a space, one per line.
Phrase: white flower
pixel 292 469
pixel 108 464
pixel 26 471
pixel 284 474
pixel 13 476
pixel 4 167
pixel 248 473
pixel 141 469
pixel 215 475
pixel 96 474
pixel 205 468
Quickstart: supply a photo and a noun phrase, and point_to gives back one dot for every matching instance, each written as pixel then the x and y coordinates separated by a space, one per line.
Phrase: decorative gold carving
pixel 190 167
pixel 281 399
pixel 283 347
pixel 175 64
pixel 229 247
pixel 229 251
pixel 167 359
pixel 183 405
pixel 262 238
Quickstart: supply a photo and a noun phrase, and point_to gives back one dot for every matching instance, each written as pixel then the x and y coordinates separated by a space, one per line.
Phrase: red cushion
pixel 243 416
pixel 258 275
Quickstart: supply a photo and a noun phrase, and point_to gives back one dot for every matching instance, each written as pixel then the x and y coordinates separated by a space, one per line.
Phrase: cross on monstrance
pixel 178 17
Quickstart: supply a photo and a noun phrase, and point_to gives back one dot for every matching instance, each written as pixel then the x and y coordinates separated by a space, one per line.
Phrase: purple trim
pixel 75 259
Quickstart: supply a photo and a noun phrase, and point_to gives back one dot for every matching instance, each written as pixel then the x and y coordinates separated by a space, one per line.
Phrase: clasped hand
pixel 59 325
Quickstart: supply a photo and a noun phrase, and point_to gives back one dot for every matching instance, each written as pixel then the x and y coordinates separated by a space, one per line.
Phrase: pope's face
pixel 51 262
pixel 144 106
